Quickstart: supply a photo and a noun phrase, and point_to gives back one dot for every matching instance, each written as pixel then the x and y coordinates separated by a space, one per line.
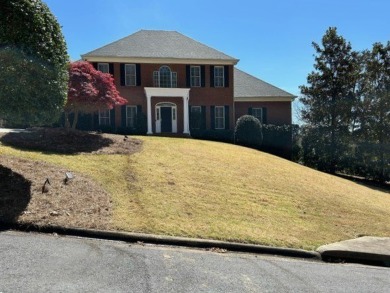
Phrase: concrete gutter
pixel 165 240
pixel 365 250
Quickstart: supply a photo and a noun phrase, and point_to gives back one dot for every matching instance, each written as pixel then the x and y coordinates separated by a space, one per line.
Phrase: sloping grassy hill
pixel 206 189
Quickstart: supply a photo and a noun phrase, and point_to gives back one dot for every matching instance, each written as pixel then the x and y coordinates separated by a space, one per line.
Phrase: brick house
pixel 170 79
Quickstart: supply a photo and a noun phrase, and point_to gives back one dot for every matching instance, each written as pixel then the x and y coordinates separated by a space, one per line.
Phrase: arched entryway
pixel 170 108
pixel 166 118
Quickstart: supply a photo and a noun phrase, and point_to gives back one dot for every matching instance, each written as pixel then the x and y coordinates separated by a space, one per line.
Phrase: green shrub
pixel 214 135
pixel 248 131
pixel 277 140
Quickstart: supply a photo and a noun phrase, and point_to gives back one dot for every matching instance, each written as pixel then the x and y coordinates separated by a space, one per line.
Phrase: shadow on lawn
pixel 56 140
pixel 383 187
pixel 15 195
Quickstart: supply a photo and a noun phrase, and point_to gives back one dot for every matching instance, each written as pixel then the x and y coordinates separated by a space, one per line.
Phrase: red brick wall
pixel 199 96
pixel 278 113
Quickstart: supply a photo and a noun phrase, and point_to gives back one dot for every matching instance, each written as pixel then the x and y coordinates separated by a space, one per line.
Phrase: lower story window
pixel 131 114
pixel 258 113
pixel 219 117
pixel 196 115
pixel 104 117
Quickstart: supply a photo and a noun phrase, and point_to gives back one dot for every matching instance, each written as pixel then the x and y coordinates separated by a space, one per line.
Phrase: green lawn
pixel 204 189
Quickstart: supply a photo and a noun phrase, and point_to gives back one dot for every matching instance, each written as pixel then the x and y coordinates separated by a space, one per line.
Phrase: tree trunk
pixel 75 119
pixel 67 123
pixel 332 167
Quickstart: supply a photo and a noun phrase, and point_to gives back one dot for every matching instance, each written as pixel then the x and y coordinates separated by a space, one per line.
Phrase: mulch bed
pixel 80 202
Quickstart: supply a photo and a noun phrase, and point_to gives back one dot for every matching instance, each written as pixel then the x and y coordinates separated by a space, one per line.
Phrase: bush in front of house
pixel 140 128
pixel 220 135
pixel 248 132
pixel 277 140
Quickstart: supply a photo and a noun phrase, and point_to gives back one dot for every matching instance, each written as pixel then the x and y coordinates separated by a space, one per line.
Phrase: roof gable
pixel 159 45
pixel 248 86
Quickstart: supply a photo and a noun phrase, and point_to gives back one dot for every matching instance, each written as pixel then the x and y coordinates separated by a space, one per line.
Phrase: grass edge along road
pixel 204 189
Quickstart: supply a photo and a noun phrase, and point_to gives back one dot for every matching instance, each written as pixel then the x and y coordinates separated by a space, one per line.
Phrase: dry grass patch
pixel 213 190
pixel 206 189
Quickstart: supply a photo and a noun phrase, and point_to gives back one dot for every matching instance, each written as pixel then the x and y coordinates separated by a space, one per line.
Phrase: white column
pixel 149 106
pixel 185 109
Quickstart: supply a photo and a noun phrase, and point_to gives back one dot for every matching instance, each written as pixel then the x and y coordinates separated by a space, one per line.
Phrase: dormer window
pixel 164 77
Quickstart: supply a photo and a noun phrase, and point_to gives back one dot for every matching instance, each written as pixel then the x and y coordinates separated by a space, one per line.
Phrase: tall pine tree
pixel 373 115
pixel 328 100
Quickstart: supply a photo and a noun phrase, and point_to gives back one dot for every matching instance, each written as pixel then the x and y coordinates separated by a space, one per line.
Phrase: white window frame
pixel 130 77
pixel 255 113
pixel 196 109
pixel 104 117
pixel 103 67
pixel 219 117
pixel 195 77
pixel 219 80
pixel 131 120
pixel 157 78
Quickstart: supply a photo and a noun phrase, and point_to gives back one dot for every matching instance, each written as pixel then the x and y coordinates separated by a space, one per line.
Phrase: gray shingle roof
pixel 159 44
pixel 248 86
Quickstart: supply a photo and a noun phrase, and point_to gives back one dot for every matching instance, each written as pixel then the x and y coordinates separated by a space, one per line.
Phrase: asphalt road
pixel 49 263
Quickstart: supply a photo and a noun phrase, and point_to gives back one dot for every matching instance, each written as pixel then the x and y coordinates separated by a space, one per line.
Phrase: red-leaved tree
pixel 89 91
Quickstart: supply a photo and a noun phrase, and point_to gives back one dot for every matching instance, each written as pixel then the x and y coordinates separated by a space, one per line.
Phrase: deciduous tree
pixel 89 91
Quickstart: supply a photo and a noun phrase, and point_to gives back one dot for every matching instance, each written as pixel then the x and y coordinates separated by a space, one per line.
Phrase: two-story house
pixel 169 78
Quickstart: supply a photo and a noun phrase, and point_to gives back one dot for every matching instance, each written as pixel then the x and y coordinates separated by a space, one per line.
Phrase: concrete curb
pixel 165 240
pixel 367 250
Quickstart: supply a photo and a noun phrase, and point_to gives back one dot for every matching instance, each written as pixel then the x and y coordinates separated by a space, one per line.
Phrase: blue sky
pixel 272 39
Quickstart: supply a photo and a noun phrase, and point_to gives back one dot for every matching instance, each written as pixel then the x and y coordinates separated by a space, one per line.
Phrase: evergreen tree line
pixel 346 109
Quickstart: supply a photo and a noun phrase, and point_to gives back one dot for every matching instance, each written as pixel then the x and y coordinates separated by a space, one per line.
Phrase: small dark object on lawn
pixel 68 177
pixel 45 188
pixel 126 136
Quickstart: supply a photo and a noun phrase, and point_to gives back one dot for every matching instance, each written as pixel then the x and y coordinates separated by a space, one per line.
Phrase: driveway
pixel 6 130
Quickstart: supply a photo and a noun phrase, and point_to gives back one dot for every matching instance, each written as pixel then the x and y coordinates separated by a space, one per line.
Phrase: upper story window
pixel 195 76
pixel 164 77
pixel 103 67
pixel 219 76
pixel 130 75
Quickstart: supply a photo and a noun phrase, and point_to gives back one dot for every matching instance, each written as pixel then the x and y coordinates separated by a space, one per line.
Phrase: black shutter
pixel 203 122
pixel 138 74
pixel 250 111
pixel 227 118
pixel 212 117
pixel 190 116
pixel 264 110
pixel 123 77
pixel 202 76
pixel 123 116
pixel 112 118
pixel 139 109
pixel 94 64
pixel 211 76
pixel 188 76
pixel 226 73
pixel 111 68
